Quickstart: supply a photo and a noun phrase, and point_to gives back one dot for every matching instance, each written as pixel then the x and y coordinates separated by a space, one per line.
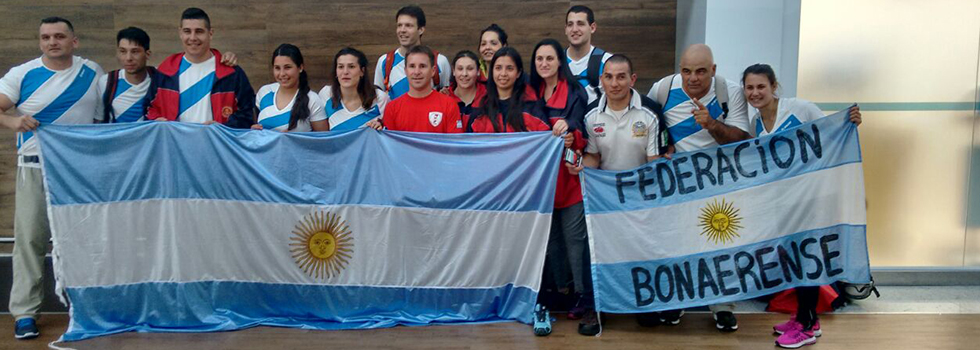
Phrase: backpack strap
pixel 389 64
pixel 592 71
pixel 595 64
pixel 436 80
pixel 151 73
pixel 111 83
pixel 663 138
pixel 721 93
pixel 663 90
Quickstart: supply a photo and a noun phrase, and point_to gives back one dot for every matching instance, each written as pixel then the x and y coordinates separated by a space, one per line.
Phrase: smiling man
pixel 196 86
pixel 421 109
pixel 56 88
pixel 584 60
pixel 625 130
pixel 389 74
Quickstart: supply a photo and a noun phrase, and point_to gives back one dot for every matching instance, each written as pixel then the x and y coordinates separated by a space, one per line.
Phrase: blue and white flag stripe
pixel 808 258
pixel 214 232
pixel 796 219
pixel 223 306
pixel 432 242
pixel 757 210
pixel 711 172
pixel 400 169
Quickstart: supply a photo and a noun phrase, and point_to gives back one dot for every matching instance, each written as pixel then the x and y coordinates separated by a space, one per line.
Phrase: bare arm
pixel 724 134
pixel 719 131
pixel 5 103
pixel 17 123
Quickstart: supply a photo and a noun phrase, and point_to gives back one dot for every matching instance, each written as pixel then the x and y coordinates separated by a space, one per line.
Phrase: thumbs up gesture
pixel 701 115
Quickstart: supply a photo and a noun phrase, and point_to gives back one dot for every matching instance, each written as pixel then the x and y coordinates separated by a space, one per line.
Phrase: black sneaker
pixel 672 317
pixel 589 324
pixel 648 319
pixel 725 321
pixel 26 328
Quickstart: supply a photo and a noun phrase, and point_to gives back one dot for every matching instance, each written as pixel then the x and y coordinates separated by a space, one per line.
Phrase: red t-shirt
pixel 433 113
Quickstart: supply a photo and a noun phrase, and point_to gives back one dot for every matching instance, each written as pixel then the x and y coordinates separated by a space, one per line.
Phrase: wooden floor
pixel 841 331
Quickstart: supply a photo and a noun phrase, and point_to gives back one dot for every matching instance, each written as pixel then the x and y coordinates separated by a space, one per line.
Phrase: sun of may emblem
pixel 719 221
pixel 322 244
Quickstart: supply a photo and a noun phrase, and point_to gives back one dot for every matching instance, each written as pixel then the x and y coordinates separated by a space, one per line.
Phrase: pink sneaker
pixel 795 339
pixel 792 325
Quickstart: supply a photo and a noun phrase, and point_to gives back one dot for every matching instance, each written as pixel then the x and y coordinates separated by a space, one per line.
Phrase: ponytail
pixel 301 108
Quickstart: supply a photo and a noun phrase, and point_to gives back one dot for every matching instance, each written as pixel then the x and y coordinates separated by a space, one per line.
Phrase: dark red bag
pixel 785 301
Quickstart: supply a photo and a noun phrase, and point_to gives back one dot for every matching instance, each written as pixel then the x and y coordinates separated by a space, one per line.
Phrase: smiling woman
pixel 288 104
pixel 508 103
pixel 492 38
pixel 351 101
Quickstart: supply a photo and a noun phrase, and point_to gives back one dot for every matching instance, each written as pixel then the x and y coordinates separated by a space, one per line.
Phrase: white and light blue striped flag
pixel 186 228
pixel 730 223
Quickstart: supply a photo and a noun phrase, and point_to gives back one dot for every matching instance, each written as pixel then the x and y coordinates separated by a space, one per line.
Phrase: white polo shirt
pixel 623 139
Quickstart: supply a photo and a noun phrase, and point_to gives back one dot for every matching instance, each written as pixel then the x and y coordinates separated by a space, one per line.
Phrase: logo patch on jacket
pixel 639 129
pixel 435 118
pixel 226 111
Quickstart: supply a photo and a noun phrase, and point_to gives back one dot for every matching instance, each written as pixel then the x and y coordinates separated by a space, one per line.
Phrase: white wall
pixel 913 66
pixel 745 32
pixel 690 26
pixel 742 33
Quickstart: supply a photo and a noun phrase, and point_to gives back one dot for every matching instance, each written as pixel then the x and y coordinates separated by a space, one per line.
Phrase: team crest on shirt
pixel 435 118
pixel 226 111
pixel 639 129
pixel 599 130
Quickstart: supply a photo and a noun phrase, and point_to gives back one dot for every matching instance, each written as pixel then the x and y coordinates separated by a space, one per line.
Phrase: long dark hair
pixel 364 89
pixel 491 101
pixel 563 71
pixel 301 108
pixel 462 54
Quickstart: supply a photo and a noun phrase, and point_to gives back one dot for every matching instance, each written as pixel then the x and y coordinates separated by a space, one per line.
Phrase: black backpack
pixel 592 71
pixel 663 140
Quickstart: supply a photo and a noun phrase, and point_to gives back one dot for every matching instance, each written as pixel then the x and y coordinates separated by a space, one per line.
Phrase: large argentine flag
pixel 185 228
pixel 730 223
